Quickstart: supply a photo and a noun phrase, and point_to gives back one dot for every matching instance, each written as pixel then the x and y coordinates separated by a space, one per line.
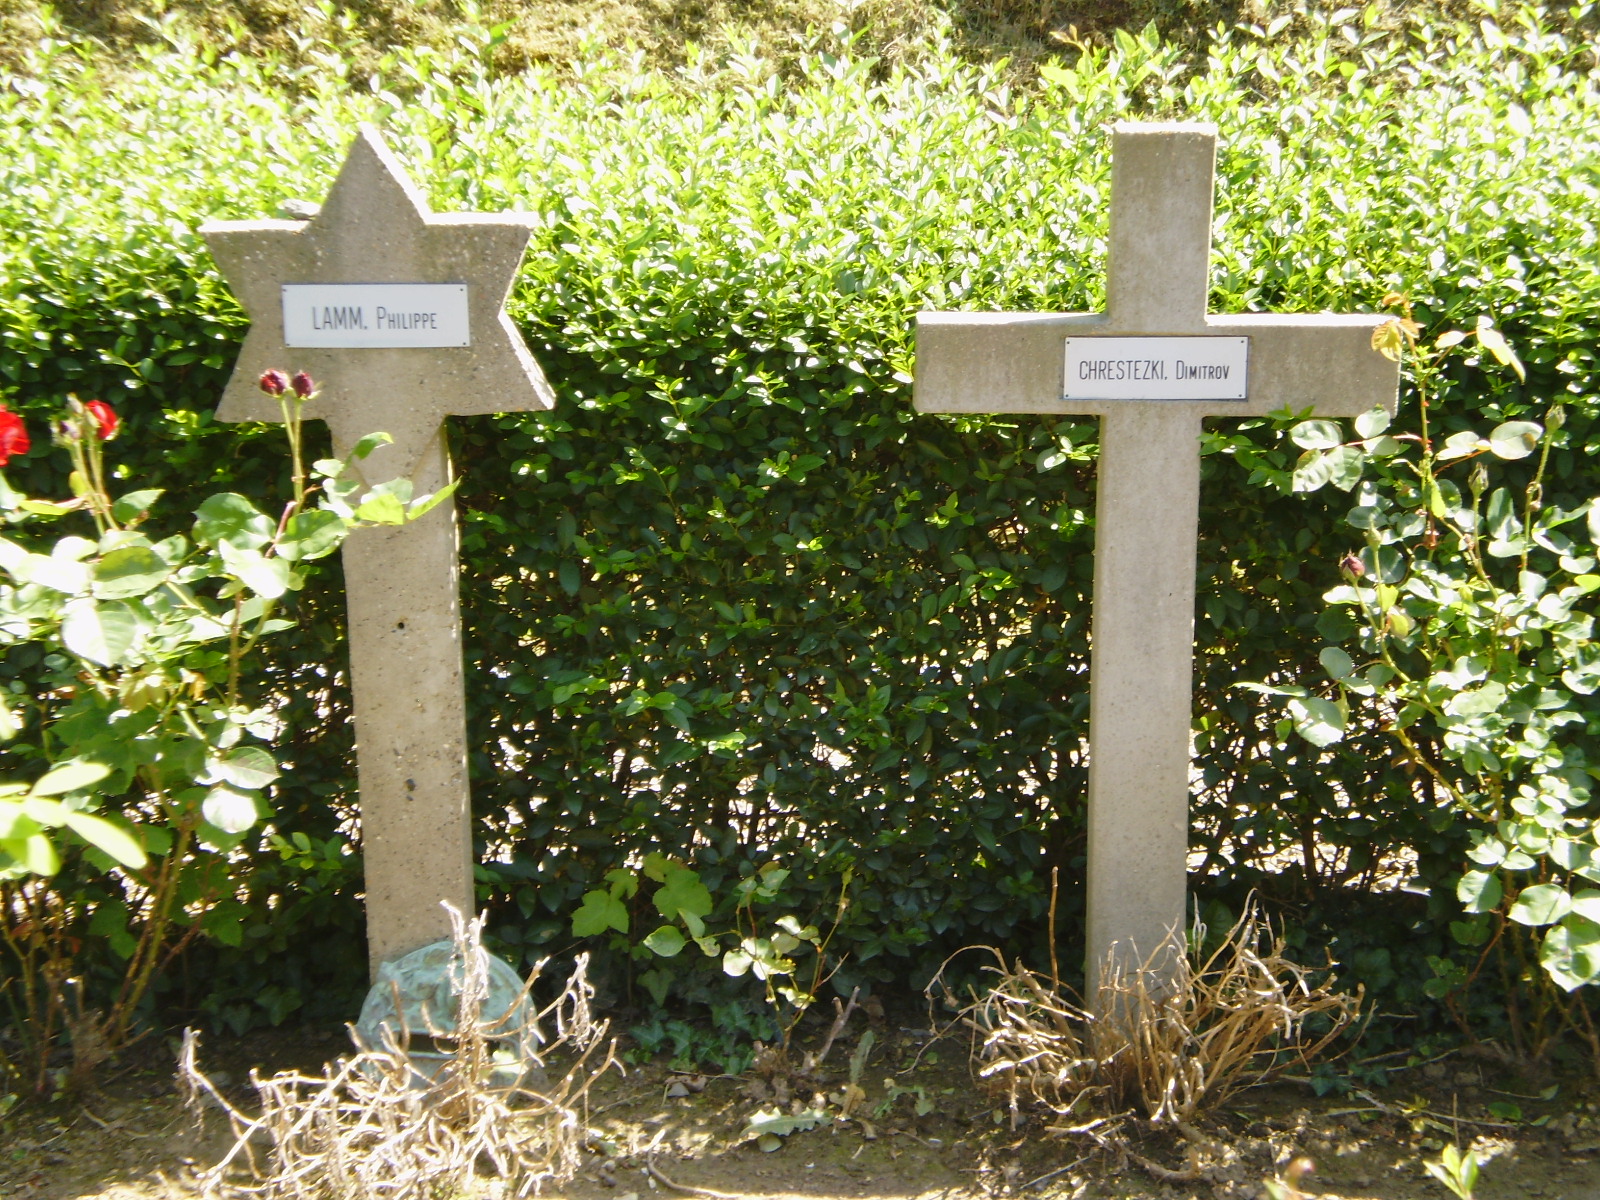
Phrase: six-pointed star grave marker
pixel 1151 367
pixel 398 313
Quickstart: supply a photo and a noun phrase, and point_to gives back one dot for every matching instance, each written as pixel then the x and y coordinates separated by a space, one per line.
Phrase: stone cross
pixel 1151 367
pixel 397 313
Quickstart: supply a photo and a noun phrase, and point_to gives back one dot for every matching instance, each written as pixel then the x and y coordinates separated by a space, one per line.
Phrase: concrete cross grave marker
pixel 397 313
pixel 1151 367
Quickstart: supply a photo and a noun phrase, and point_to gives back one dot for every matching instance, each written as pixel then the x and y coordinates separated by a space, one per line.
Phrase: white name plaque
pixel 1157 368
pixel 358 316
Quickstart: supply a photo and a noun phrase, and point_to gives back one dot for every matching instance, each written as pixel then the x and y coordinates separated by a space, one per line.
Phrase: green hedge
pixel 733 599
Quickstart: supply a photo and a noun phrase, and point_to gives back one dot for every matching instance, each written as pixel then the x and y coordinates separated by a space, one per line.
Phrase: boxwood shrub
pixel 733 599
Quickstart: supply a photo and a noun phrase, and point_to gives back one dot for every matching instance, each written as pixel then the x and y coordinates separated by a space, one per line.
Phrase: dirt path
pixel 656 1133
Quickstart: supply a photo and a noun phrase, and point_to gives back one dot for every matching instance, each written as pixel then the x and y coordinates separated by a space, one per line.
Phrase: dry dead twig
pixel 375 1127
pixel 1234 1018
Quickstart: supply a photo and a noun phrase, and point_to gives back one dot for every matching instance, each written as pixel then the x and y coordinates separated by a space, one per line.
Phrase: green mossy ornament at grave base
pixel 416 1001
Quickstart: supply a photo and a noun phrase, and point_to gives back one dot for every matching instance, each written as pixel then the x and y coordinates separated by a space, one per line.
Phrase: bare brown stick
pixel 1055 891
pixel 687 1189
pixel 1165 1174
pixel 841 1016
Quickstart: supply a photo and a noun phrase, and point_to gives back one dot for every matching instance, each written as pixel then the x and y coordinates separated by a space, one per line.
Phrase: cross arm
pixel 1321 361
pixel 1013 363
pixel 994 362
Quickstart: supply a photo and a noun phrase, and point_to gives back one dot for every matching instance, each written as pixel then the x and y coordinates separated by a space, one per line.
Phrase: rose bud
pixel 105 419
pixel 274 383
pixel 1351 565
pixel 303 384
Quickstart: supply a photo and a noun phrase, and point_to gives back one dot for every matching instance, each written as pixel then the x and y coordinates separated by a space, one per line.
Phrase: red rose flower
pixel 303 385
pixel 13 435
pixel 274 383
pixel 105 420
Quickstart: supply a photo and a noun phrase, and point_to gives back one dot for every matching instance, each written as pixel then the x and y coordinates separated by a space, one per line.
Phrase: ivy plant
pixel 743 940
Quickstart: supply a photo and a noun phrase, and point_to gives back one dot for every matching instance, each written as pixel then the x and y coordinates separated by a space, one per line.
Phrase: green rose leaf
pixel 382 508
pixel 1541 904
pixel 266 577
pixel 101 633
pixel 1570 953
pixel 1311 472
pixel 1319 721
pixel 370 443
pixel 666 941
pixel 1340 466
pixel 1460 444
pixel 1372 422
pixel 247 767
pixel 231 811
pixel 1318 435
pixel 129 508
pixel 69 777
pixel 58 574
pixel 1336 662
pixel 1492 340
pixel 1383 563
pixel 423 505
pixel 312 534
pixel 112 839
pixel 1479 702
pixel 1587 905
pixel 1515 439
pixel 230 518
pixel 1480 891
pixel 130 571
pixel 45 508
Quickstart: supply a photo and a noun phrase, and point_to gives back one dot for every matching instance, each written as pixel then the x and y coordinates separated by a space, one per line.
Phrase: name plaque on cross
pixel 1156 368
pixel 376 316
pixel 1152 367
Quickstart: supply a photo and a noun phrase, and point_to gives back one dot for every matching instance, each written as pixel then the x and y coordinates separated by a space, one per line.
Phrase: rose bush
pixel 1465 627
pixel 156 762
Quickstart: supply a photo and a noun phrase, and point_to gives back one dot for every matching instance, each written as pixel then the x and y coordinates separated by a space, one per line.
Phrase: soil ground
pixel 656 1132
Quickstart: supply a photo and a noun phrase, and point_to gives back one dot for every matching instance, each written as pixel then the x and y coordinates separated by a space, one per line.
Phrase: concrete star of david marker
pixel 397 313
pixel 382 366
pixel 1151 367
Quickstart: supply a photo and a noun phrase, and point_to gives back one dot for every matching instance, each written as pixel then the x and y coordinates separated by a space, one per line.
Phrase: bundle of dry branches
pixel 376 1127
pixel 1234 1018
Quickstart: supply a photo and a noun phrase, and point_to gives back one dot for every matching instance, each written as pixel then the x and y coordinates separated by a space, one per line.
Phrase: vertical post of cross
pixel 1147 511
pixel 1151 367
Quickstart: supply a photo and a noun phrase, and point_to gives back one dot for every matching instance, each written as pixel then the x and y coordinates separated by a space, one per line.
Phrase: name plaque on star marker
pixel 358 316
pixel 1156 368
